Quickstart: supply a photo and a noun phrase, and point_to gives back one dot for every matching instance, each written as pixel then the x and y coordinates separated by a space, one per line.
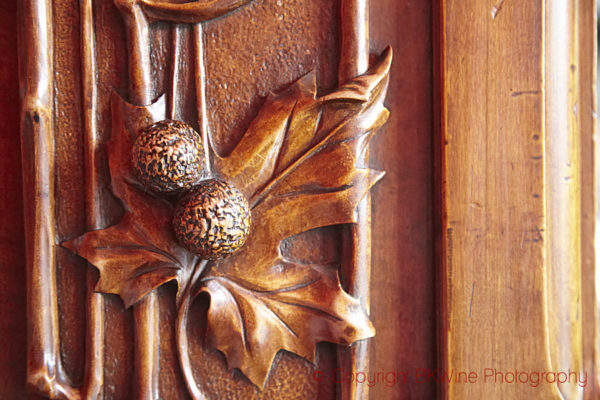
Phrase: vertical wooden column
pixel 145 312
pixel 94 376
pixel 590 171
pixel 514 134
pixel 44 365
pixel 356 269
pixel 200 85
pixel 563 190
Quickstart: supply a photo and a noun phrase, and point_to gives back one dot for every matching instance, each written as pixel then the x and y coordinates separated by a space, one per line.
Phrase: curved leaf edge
pixel 259 377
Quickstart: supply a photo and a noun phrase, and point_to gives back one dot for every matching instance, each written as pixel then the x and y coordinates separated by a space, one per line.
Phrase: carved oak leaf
pixel 298 178
pixel 139 253
pixel 300 172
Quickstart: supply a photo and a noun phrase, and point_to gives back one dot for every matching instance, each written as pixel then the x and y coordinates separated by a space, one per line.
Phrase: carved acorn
pixel 168 156
pixel 212 220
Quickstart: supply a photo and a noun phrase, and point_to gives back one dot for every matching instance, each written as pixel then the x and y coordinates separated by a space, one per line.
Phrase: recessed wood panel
pixel 513 133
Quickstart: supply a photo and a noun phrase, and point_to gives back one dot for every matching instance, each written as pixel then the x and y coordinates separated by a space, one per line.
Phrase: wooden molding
pixel 517 187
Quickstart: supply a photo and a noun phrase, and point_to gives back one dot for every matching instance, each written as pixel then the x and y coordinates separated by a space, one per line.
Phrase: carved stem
pixel 94 379
pixel 177 109
pixel 179 73
pixel 44 368
pixel 175 60
pixel 356 269
pixel 147 338
pixel 184 307
pixel 182 347
pixel 146 321
pixel 138 37
pixel 354 52
pixel 200 73
pixel 181 335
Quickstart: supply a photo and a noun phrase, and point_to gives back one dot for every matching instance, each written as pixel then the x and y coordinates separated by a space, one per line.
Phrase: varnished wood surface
pixel 403 273
pixel 498 274
pixel 590 152
pixel 516 100
pixel 309 34
pixel 501 288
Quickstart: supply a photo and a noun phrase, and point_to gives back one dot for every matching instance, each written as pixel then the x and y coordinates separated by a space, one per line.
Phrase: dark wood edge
pixel 590 149
pixel 590 187
pixel 439 218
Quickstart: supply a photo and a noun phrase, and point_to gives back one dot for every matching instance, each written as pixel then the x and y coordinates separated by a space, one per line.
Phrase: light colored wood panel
pixel 511 191
pixel 589 187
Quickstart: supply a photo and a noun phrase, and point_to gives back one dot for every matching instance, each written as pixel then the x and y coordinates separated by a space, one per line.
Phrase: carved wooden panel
pixel 509 140
pixel 280 101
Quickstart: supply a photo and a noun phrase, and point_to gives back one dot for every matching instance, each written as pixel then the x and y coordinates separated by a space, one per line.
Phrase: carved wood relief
pixel 170 198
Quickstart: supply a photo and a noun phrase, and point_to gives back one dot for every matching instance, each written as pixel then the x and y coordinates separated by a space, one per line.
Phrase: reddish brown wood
pixel 255 292
pixel 12 238
pixel 95 217
pixel 142 91
pixel 356 265
pixel 403 276
pixel 309 40
pixel 45 374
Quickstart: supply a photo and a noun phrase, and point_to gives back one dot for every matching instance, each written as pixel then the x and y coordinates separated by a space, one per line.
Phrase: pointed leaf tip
pixel 294 313
pixel 362 88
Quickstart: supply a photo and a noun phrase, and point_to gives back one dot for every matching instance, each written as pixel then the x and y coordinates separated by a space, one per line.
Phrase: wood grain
pixel 403 274
pixel 355 269
pixel 142 91
pixel 44 374
pixel 511 179
pixel 590 157
pixel 95 217
pixel 562 167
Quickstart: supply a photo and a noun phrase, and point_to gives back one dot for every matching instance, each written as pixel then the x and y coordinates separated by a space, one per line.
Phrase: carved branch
pixel 356 265
pixel 354 50
pixel 138 38
pixel 44 366
pixel 95 219
pixel 200 74
pixel 141 92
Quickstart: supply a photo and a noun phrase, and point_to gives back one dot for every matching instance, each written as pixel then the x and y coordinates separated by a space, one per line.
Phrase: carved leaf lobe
pixel 140 252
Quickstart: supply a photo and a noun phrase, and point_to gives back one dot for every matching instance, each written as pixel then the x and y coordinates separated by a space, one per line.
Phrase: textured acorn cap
pixel 212 220
pixel 168 156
